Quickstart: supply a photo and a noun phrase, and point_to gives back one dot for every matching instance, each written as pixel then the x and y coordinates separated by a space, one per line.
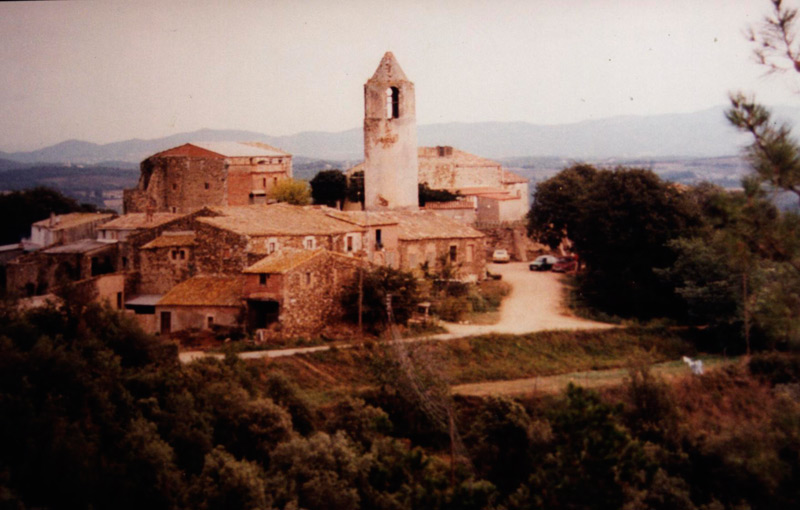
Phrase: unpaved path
pixel 534 304
pixel 668 371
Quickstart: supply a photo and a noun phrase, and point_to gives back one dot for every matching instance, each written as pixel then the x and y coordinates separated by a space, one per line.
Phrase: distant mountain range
pixel 700 134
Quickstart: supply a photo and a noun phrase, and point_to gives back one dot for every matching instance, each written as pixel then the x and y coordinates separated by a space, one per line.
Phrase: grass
pixel 491 357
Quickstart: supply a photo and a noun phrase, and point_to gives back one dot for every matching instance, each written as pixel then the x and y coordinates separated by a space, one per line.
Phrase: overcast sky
pixel 110 71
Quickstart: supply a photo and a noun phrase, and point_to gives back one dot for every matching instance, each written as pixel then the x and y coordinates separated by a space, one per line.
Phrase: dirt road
pixel 535 304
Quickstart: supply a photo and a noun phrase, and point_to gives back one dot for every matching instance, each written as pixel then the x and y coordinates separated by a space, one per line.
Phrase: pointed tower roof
pixel 388 70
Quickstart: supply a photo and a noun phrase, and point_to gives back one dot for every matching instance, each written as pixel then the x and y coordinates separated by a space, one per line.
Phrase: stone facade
pixel 390 139
pixel 299 291
pixel 195 175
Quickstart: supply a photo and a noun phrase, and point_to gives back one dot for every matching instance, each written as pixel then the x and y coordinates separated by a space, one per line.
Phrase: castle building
pixel 390 139
pixel 198 174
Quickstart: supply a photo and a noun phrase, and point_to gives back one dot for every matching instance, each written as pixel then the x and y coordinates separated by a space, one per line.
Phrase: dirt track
pixel 535 304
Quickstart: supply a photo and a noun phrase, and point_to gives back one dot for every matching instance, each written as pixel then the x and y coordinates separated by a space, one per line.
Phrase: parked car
pixel 501 256
pixel 543 263
pixel 565 265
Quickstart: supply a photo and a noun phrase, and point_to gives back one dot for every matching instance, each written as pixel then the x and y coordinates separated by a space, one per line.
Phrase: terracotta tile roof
pixel 241 149
pixel 454 204
pixel 133 221
pixel 205 291
pixel 65 221
pixel 510 177
pixel 416 225
pixel 282 261
pixel 362 218
pixel 81 246
pixel 171 239
pixel 481 190
pixel 499 196
pixel 277 219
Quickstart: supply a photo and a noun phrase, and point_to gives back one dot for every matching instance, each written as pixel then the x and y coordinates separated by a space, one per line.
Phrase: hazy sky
pixel 110 71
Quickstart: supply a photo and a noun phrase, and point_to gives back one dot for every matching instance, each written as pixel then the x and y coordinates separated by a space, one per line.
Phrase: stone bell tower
pixel 390 139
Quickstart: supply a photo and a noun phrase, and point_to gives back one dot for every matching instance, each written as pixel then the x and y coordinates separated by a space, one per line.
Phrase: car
pixel 565 265
pixel 501 256
pixel 543 263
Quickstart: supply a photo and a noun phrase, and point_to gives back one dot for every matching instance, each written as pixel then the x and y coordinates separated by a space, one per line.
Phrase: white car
pixel 501 256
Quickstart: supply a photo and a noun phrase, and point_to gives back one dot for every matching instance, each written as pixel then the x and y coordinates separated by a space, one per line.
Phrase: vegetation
pixel 95 413
pixel 619 223
pixel 329 187
pixel 19 209
pixel 366 298
pixel 355 191
pixel 291 191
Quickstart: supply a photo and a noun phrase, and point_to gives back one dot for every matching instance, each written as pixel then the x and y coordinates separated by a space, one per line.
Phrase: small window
pixel 309 243
pixel 392 103
pixel 271 247
pixel 174 254
pixel 119 300
pixel 183 254
pixel 124 262
pixel 207 185
pixel 264 183
pixel 262 279
pixel 174 186
pixel 378 239
pixel 453 253
pixel 349 245
pixel 174 209
pixel 209 321
pixel 308 278
pixel 274 181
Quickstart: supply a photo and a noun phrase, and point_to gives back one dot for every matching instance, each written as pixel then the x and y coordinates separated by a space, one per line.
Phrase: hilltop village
pixel 199 244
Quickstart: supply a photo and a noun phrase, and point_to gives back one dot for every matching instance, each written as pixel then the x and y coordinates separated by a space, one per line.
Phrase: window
pixel 308 278
pixel 378 239
pixel 209 321
pixel 174 209
pixel 183 254
pixel 262 279
pixel 271 247
pixel 453 253
pixel 124 262
pixel 174 186
pixel 264 183
pixel 207 185
pixel 349 244
pixel 119 300
pixel 309 243
pixel 392 103
pixel 174 254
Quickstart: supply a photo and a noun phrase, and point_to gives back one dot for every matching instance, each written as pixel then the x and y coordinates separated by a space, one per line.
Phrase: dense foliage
pixel 291 191
pixel 619 223
pixel 94 413
pixel 369 294
pixel 19 209
pixel 329 187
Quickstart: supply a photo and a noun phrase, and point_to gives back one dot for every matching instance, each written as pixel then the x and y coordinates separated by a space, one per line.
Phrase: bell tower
pixel 391 170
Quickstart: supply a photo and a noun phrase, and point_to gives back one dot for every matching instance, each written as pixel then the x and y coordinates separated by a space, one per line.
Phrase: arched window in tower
pixel 392 103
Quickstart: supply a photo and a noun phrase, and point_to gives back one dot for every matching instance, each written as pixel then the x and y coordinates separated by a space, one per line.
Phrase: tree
pixel 291 191
pixel 426 194
pixel 329 187
pixel 619 222
pixel 21 208
pixel 378 284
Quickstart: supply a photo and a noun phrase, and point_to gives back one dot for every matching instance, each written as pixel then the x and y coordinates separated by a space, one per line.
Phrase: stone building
pixel 199 174
pixel 67 228
pixel 390 139
pixel 296 291
pixel 407 239
pixel 201 302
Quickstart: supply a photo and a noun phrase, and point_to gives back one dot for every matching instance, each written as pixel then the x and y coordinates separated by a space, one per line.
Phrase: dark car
pixel 543 263
pixel 565 265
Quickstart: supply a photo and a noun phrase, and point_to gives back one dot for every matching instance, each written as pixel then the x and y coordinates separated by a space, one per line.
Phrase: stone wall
pixel 219 251
pixel 179 184
pixel 470 255
pixel 160 270
pixel 313 294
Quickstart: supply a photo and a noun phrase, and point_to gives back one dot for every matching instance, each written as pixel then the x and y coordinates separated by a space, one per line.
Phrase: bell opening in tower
pixel 392 103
